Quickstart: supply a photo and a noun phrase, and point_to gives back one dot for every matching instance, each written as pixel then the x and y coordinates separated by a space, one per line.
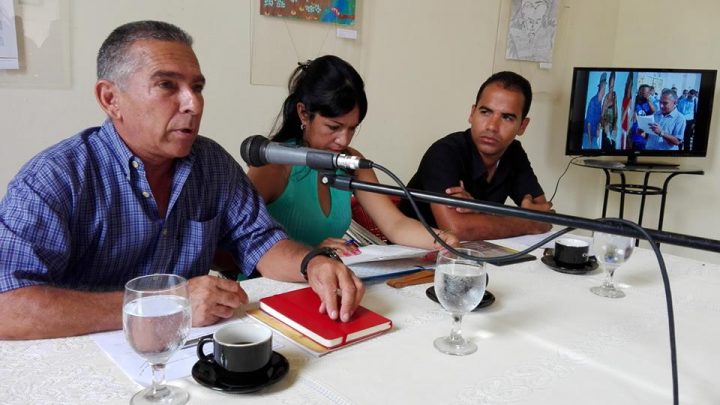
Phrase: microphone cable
pixel 668 298
pixel 500 259
pixel 561 176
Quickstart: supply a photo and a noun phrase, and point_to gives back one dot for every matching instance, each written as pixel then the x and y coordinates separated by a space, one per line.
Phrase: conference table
pixel 545 340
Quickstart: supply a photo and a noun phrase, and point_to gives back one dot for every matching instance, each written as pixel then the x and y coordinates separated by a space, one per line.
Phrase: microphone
pixel 259 151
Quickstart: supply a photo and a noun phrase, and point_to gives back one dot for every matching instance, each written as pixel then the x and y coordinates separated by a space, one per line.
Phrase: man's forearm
pixel 282 261
pixel 672 139
pixel 476 226
pixel 39 312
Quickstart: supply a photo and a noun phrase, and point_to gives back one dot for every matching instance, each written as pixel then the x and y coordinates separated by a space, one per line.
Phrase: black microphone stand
pixel 348 183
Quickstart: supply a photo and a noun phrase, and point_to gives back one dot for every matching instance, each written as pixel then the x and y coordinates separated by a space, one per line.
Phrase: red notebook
pixel 299 310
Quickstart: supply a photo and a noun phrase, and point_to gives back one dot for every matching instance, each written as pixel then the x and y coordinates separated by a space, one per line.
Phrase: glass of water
pixel 459 286
pixel 156 321
pixel 611 251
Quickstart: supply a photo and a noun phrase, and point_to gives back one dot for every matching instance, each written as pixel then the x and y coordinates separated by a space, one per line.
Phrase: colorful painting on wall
pixel 324 11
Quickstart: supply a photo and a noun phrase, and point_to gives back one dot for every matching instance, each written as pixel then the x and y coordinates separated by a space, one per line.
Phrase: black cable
pixel 421 218
pixel 668 299
pixel 561 176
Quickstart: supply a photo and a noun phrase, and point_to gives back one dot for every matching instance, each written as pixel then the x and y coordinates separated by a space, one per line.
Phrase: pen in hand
pixel 353 245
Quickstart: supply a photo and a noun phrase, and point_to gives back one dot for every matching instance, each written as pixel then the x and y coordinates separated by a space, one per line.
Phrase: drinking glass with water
pixel 156 321
pixel 459 286
pixel 611 251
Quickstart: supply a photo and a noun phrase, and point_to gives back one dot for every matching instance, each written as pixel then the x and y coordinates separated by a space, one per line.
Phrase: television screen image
pixel 640 112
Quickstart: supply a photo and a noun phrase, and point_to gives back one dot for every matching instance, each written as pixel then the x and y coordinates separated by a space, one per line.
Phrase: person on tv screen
pixel 643 107
pixel 687 105
pixel 668 130
pixel 485 162
pixel 683 97
pixel 626 114
pixel 609 116
pixel 593 116
pixel 654 99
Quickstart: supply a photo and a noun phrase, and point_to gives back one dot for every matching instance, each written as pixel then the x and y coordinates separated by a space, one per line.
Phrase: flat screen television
pixel 635 112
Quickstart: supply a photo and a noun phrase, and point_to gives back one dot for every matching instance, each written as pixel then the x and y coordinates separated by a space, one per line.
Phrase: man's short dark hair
pixel 510 81
pixel 113 63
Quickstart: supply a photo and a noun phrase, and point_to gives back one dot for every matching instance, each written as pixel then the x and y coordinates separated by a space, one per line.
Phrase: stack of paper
pixel 376 253
pixel 362 236
pixel 376 270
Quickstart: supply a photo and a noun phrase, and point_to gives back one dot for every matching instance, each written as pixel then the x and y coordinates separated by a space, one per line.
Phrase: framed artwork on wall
pixel 324 11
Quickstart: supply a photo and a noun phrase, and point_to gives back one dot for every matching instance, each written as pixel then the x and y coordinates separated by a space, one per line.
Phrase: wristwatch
pixel 320 251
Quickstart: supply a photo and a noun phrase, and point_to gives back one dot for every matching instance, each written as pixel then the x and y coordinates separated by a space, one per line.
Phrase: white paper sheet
pixel 644 122
pixel 179 366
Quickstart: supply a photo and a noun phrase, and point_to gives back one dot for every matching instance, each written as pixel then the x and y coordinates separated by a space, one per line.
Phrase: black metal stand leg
pixel 643 190
pixel 622 194
pixel 605 199
pixel 662 200
pixel 643 194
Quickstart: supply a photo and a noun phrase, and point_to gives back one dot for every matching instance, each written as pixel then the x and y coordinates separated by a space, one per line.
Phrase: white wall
pixel 422 62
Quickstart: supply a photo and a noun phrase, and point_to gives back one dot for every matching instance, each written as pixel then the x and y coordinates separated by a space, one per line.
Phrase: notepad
pixel 299 310
pixel 490 250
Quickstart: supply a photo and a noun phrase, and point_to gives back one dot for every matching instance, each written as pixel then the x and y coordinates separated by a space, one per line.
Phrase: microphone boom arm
pixel 349 184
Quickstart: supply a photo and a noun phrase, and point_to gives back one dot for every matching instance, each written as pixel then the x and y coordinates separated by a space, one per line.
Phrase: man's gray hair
pixel 671 93
pixel 114 62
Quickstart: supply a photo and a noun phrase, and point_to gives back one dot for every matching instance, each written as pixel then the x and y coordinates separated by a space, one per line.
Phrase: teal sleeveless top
pixel 298 209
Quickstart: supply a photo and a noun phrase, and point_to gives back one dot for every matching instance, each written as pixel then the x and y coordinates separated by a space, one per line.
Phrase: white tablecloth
pixel 546 340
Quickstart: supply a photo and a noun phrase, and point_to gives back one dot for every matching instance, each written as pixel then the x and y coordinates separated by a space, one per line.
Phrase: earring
pixel 302 127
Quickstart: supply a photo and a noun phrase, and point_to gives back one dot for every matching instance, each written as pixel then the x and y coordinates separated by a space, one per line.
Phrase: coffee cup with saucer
pixel 242 359
pixel 570 256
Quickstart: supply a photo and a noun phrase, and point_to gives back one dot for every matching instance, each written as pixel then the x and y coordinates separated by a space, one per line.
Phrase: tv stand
pixel 633 162
pixel 643 190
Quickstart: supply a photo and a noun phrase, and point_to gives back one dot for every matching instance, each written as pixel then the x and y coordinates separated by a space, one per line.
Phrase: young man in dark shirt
pixel 484 162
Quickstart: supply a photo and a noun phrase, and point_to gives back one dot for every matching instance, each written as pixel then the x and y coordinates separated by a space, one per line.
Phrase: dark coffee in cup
pixel 572 253
pixel 239 347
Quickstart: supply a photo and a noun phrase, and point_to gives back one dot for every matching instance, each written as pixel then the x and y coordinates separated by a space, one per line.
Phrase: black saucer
pixel 487 299
pixel 549 260
pixel 211 375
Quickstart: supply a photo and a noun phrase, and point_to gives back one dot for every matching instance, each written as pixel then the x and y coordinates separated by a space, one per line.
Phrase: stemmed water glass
pixel 611 251
pixel 459 286
pixel 156 321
